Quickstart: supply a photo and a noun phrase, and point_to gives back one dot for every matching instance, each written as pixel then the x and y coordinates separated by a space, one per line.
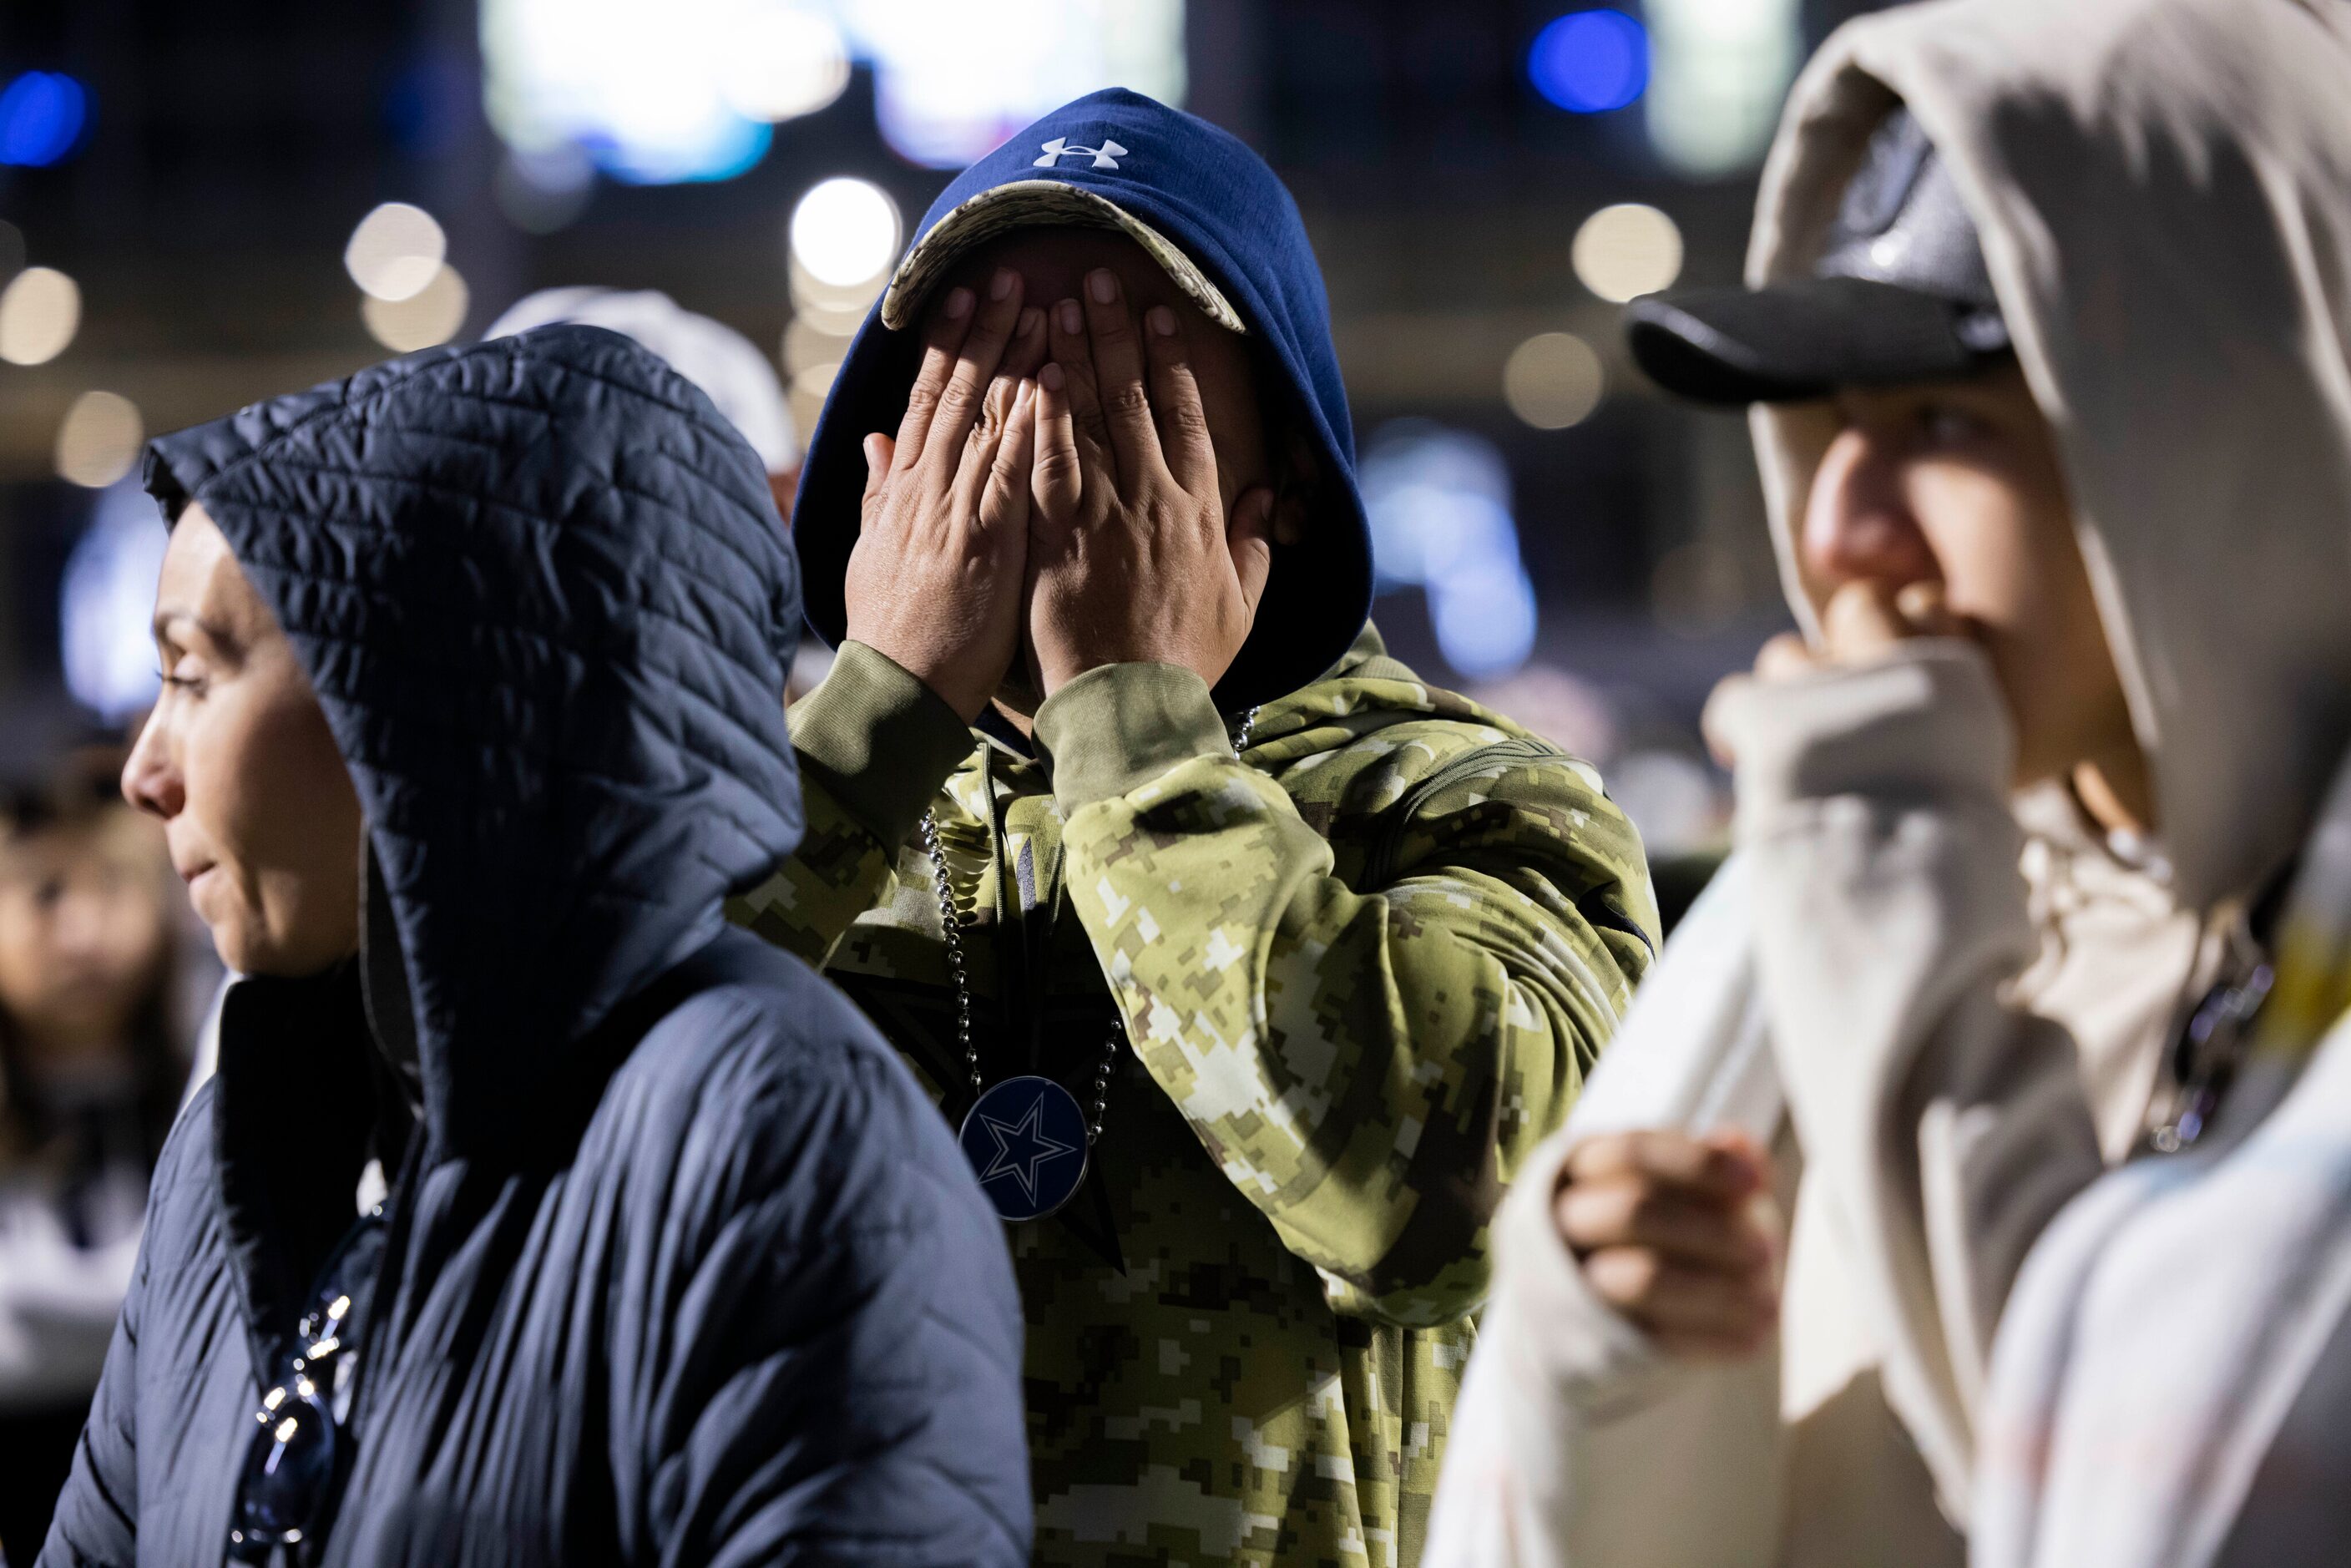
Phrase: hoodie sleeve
pixel 875 745
pixel 1943 1127
pixel 1371 1062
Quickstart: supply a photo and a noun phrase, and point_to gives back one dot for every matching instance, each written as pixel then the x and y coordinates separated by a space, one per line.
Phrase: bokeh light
pixel 1589 62
pixel 42 117
pixel 541 193
pixel 425 318
pixel 106 599
pixel 1721 69
pixel 99 439
pixel 1439 504
pixel 786 60
pixel 40 311
pixel 1628 250
pixel 639 86
pixel 1553 380
pixel 395 252
pixel 845 232
pixel 952 78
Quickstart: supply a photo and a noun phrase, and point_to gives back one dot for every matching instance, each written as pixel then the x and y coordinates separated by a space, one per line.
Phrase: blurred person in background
pixel 91 1065
pixel 2048 345
pixel 534 1215
pixel 739 380
pixel 1249 965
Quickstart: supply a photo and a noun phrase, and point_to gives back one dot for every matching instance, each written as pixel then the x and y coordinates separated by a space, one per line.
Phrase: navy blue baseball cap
pixel 1900 294
pixel 1217 219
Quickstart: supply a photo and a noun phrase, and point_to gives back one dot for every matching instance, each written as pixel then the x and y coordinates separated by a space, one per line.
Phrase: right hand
pixel 1678 1234
pixel 935 579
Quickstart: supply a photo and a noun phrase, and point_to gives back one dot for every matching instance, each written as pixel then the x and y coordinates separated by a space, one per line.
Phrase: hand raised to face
pixel 1133 557
pixel 935 579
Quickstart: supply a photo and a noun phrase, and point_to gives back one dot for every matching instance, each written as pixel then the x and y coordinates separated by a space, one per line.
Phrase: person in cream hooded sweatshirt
pixel 1943 1052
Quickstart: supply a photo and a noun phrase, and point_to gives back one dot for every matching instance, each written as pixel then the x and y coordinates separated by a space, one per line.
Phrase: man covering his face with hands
pixel 1247 964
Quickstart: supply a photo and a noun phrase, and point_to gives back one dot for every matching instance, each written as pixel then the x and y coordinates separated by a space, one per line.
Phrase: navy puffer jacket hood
pixel 540 590
pixel 679 1264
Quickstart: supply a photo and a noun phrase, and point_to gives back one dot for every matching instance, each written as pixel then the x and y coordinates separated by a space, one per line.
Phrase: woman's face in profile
pixel 237 759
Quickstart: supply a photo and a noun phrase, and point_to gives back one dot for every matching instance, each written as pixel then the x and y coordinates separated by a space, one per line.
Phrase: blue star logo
pixel 1022 1148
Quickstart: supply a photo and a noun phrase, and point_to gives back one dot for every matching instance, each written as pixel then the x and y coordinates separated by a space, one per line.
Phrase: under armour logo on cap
pixel 1105 156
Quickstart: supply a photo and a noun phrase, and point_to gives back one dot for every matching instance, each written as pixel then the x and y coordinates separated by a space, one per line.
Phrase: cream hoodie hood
pixel 2163 189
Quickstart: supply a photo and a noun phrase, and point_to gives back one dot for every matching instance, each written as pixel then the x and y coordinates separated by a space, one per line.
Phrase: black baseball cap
pixel 1899 293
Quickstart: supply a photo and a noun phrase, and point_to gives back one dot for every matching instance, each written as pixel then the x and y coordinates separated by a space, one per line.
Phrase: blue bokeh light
pixel 1589 62
pixel 42 117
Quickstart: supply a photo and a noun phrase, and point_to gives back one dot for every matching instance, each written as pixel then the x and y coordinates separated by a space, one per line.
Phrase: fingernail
pixel 1102 285
pixel 1049 378
pixel 1001 284
pixel 1072 318
pixel 1163 320
pixel 958 304
pixel 1030 319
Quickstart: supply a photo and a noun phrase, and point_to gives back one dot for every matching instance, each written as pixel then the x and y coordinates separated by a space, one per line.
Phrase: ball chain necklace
pixel 1028 1138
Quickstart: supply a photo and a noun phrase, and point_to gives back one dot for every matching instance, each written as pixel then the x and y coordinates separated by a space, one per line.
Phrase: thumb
pixel 879 452
pixel 1249 536
pixel 1861 621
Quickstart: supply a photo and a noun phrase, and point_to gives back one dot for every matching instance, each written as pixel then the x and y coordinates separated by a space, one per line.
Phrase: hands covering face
pixel 1074 498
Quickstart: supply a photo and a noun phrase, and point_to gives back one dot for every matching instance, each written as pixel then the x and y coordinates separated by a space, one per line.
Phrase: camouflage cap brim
pixel 1039 203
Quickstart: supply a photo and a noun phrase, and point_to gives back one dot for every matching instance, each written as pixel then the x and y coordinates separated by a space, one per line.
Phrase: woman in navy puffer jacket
pixel 474 664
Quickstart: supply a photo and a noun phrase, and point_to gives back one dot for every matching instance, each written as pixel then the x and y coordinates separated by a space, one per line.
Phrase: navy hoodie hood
pixel 541 591
pixel 1219 204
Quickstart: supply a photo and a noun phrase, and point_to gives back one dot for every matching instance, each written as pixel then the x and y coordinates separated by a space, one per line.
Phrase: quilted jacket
pixel 681 1267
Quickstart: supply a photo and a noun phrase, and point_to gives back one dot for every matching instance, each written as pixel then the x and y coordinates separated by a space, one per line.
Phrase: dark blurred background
pixel 205 204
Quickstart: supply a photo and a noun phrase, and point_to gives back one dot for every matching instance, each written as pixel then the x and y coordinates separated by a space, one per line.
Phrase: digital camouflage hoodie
pixel 1362 969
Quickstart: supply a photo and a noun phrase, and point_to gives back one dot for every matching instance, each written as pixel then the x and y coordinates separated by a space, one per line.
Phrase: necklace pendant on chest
pixel 1025 1140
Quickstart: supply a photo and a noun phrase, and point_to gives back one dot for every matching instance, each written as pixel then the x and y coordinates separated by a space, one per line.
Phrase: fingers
pixel 942 341
pixel 961 400
pixel 1067 343
pixel 1785 656
pixel 1181 423
pixel 1118 378
pixel 1595 1215
pixel 1056 475
pixel 1691 1310
pixel 1860 621
pixel 1026 354
pixel 1249 536
pixel 1926 611
pixel 1699 1169
pixel 1004 505
pixel 878 449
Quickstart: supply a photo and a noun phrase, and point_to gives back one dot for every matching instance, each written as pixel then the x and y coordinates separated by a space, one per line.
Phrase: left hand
pixel 1862 621
pixel 1132 555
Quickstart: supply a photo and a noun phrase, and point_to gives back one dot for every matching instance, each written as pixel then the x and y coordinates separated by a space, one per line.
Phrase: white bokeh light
pixel 99 439
pixel 1553 380
pixel 395 251
pixel 663 90
pixel 845 232
pixel 787 60
pixel 1718 69
pixel 1628 250
pixel 40 311
pixel 424 319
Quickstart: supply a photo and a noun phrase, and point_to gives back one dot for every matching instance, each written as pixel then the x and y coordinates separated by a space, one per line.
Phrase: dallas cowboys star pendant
pixel 1025 1140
